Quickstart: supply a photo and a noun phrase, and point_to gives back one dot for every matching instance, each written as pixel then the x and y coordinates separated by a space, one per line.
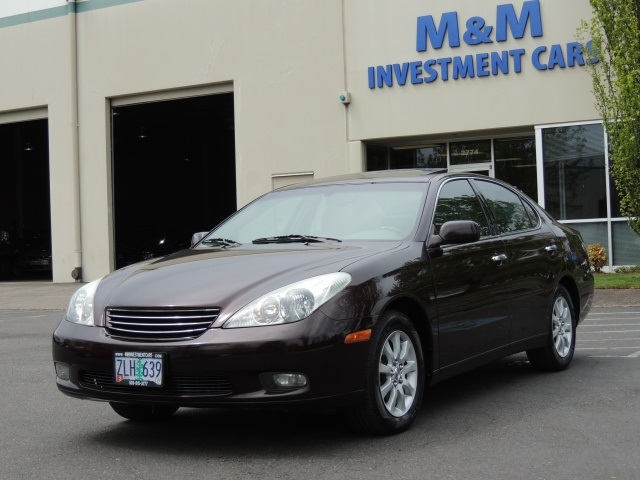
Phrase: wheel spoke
pixel 384 369
pixel 384 389
pixel 411 389
pixel 396 345
pixel 401 400
pixel 558 344
pixel 391 402
pixel 388 351
pixel 410 367
pixel 404 351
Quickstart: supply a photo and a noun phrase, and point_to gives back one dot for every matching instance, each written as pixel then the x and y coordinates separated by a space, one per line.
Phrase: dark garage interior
pixel 25 205
pixel 173 173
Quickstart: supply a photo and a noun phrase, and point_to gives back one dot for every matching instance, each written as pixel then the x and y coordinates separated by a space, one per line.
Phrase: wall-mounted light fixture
pixel 344 97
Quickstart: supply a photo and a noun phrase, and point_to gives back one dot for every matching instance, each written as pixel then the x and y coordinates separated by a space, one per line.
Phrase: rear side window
pixel 458 201
pixel 506 207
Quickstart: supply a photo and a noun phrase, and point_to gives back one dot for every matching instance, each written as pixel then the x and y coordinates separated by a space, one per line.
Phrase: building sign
pixel 432 35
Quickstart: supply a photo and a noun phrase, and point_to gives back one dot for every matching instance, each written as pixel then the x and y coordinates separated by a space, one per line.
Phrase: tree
pixel 614 51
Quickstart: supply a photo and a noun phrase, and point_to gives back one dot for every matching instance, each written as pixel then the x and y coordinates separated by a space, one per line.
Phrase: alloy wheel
pixel 562 327
pixel 398 371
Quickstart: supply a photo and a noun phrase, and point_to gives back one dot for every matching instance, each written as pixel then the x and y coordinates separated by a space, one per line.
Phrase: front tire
pixel 394 383
pixel 143 412
pixel 561 340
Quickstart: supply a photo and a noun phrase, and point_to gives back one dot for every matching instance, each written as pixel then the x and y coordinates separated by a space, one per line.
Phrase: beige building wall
pixel 36 74
pixel 285 62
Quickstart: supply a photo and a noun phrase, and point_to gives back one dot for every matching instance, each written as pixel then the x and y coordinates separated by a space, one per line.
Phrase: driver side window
pixel 457 201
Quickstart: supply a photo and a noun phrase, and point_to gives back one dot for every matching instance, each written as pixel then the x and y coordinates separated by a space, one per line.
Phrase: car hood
pixel 226 278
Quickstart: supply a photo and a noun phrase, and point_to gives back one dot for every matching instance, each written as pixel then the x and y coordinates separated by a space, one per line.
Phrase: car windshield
pixel 326 213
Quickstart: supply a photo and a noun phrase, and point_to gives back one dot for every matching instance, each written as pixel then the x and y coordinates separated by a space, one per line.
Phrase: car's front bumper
pixel 223 366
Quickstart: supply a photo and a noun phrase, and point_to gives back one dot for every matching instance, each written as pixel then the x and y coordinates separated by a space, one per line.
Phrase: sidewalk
pixel 55 296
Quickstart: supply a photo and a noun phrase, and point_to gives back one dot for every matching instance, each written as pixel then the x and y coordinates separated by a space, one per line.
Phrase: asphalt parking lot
pixel 610 332
pixel 502 421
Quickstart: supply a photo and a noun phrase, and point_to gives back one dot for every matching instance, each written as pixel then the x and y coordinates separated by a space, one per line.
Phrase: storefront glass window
pixel 626 244
pixel 423 156
pixel 464 153
pixel 402 158
pixel 596 232
pixel 432 156
pixel 574 171
pixel 515 160
pixel 376 158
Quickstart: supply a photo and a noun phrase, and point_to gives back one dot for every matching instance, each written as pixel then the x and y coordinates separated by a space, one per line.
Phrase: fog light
pixel 283 381
pixel 62 371
pixel 290 380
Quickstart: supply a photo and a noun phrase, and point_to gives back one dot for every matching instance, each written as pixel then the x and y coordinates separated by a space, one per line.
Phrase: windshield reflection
pixel 384 211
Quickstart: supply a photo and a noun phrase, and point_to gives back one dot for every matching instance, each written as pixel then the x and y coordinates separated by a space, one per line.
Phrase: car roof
pixel 418 175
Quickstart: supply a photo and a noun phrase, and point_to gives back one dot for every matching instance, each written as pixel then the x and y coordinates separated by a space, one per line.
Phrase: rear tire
pixel 143 412
pixel 394 382
pixel 556 355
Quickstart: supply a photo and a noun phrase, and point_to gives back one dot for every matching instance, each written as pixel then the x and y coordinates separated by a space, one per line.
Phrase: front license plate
pixel 139 369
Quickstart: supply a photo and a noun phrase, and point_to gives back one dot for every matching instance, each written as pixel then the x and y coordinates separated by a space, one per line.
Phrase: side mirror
pixel 456 232
pixel 196 237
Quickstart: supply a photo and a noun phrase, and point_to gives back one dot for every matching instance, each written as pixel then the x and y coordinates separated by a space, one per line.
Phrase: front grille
pixel 158 325
pixel 174 385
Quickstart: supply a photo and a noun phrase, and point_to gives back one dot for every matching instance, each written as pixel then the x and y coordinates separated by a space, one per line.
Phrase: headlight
pixel 291 303
pixel 81 305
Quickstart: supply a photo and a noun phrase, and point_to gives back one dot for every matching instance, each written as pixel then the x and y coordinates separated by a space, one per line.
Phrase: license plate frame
pixel 139 369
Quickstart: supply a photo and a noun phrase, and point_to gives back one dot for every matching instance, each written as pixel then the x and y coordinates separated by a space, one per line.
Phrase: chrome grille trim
pixel 170 324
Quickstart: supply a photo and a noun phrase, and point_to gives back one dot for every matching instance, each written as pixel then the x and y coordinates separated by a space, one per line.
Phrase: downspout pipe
pixel 76 273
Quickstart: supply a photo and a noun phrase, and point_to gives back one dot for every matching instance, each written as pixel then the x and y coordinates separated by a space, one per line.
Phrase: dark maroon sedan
pixel 352 293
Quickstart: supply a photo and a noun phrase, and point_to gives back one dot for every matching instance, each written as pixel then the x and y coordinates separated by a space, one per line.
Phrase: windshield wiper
pixel 294 239
pixel 220 242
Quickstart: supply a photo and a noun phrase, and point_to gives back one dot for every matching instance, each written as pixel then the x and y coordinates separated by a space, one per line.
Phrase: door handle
pixel 499 258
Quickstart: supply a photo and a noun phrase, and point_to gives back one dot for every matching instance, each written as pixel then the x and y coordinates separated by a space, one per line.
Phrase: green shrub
pixel 597 256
